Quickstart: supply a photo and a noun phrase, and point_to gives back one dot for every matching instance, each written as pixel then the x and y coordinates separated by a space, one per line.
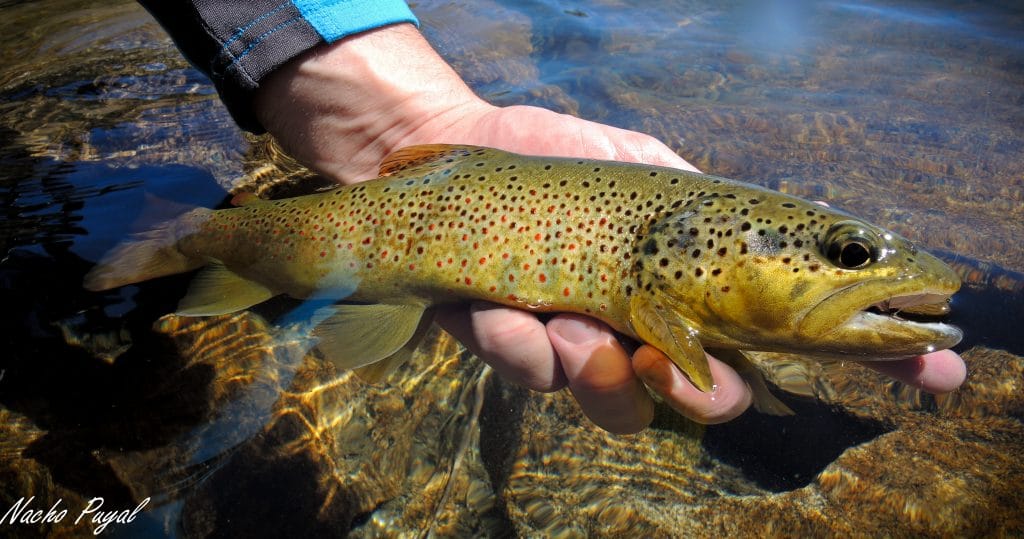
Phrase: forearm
pixel 237 43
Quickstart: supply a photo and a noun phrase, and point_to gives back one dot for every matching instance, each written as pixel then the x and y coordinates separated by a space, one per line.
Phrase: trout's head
pixel 760 270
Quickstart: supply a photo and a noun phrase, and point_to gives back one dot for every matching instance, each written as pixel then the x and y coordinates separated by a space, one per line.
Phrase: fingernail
pixel 577 330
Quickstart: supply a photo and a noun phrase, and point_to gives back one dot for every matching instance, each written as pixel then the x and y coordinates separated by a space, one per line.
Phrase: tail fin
pixel 147 255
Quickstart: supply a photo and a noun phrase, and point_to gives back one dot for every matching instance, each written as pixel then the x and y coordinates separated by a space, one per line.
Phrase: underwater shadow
pixel 786 453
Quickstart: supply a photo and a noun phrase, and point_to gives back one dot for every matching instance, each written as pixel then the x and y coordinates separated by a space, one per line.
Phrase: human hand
pixel 342 108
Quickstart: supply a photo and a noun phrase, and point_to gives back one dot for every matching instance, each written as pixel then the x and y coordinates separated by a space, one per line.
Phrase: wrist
pixel 342 107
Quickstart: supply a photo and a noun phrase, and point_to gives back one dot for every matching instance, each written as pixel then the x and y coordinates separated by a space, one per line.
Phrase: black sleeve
pixel 236 43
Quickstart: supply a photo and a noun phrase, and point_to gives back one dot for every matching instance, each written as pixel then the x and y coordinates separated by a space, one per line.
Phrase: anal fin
pixel 218 290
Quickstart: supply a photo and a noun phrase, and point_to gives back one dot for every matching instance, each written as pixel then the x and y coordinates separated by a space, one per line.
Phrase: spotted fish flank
pixel 683 261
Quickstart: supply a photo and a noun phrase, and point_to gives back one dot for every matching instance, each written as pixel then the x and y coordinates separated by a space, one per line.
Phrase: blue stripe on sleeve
pixel 335 19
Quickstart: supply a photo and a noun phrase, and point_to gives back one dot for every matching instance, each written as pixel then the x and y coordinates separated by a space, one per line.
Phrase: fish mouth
pixel 888 320
pixel 925 304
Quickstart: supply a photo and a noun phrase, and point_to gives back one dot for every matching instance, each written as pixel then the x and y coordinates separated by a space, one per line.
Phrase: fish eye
pixel 850 246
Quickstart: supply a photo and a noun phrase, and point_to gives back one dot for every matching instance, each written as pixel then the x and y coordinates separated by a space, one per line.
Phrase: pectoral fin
pixel 371 338
pixel 658 326
pixel 764 401
pixel 218 290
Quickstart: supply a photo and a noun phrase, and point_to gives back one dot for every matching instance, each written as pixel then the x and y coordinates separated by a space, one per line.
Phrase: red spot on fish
pixel 439 263
pixel 483 261
pixel 504 256
pixel 526 267
pixel 469 281
pixel 511 278
pixel 493 288
pixel 412 267
pixel 542 278
pixel 538 236
pixel 565 292
pixel 512 297
pixel 572 246
pixel 604 278
pixel 464 262
pixel 323 254
pixel 366 241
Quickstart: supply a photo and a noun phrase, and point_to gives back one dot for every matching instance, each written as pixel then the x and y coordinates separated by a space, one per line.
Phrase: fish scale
pixel 680 260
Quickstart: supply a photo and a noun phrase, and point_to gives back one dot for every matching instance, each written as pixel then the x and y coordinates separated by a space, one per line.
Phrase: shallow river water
pixel 910 114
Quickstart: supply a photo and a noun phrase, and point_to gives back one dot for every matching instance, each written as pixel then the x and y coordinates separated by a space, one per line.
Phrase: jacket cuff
pixel 237 43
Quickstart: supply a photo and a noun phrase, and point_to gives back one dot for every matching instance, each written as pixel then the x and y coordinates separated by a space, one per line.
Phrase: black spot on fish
pixel 651 247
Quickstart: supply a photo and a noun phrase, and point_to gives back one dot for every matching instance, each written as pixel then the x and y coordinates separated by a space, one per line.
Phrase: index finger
pixel 729 398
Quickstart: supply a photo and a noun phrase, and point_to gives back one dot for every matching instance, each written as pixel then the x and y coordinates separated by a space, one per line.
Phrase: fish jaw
pixel 842 325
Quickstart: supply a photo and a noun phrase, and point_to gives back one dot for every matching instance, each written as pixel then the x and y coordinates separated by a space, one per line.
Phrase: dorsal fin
pixel 245 198
pixel 414 156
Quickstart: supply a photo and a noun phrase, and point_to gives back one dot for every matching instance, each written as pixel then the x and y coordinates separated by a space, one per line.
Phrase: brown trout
pixel 682 261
